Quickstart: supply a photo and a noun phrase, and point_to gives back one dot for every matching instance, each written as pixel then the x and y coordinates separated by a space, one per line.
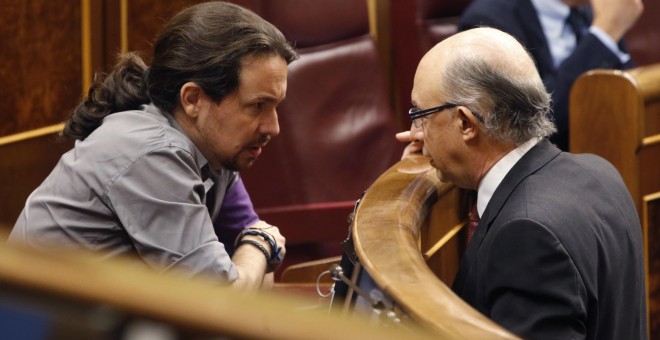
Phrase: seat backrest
pixel 616 115
pixel 415 27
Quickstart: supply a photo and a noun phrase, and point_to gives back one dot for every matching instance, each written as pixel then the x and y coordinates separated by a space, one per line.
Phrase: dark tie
pixel 578 23
pixel 473 221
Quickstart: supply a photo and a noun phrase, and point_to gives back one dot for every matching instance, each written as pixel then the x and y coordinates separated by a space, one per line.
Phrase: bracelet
pixel 274 249
pixel 258 245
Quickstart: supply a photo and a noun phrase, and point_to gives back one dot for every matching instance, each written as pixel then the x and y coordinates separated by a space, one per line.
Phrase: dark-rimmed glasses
pixel 415 113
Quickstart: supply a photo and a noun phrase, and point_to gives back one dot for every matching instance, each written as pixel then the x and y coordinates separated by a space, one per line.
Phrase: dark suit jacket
pixel 558 252
pixel 520 19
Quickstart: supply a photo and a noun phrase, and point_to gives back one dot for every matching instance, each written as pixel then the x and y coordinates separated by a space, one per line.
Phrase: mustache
pixel 259 142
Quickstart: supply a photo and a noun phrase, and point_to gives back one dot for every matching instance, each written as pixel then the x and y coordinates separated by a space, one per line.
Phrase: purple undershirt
pixel 236 213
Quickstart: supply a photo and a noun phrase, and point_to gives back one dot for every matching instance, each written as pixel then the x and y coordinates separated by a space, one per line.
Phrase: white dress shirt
pixel 496 174
pixel 560 36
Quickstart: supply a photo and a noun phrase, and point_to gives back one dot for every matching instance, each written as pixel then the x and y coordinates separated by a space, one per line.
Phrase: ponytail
pixel 123 89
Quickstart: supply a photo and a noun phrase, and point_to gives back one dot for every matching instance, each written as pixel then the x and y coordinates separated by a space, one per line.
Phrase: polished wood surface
pixel 68 281
pixel 616 115
pixel 386 233
pixel 40 68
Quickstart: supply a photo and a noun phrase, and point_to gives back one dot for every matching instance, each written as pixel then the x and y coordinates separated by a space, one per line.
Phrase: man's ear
pixel 469 123
pixel 191 96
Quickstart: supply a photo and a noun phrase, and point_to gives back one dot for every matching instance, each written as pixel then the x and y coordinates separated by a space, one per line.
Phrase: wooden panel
pixel 26 160
pixel 40 72
pixel 443 237
pixel 145 18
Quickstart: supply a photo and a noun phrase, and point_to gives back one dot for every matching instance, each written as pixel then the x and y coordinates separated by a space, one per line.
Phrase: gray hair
pixel 515 109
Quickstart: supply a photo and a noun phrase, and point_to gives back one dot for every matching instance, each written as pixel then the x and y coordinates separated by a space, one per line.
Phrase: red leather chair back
pixel 337 127
pixel 416 26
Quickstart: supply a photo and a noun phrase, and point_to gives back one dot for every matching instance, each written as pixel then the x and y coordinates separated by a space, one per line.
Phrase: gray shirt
pixel 135 186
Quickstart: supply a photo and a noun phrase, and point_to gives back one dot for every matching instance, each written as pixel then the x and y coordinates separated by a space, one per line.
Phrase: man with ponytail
pixel 158 149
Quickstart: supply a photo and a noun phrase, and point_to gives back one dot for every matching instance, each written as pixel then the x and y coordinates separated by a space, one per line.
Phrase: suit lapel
pixel 536 158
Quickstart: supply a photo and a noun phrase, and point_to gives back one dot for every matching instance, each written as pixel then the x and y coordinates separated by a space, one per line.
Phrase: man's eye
pixel 259 106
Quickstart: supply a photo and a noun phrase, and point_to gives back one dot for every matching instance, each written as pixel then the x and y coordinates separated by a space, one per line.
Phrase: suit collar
pixel 535 159
pixel 532 161
pixel 494 176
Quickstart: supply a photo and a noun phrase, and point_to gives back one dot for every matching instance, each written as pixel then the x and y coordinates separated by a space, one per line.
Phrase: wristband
pixel 274 249
pixel 258 245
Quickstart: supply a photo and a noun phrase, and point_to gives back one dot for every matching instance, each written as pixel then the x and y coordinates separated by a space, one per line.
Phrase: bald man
pixel 561 54
pixel 542 26
pixel 557 253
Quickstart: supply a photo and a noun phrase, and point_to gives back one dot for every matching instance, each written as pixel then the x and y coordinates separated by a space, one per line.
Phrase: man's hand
pixel 279 240
pixel 415 138
pixel 250 260
pixel 616 17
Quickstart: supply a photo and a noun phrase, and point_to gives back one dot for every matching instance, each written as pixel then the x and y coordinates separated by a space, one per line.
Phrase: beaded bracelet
pixel 258 245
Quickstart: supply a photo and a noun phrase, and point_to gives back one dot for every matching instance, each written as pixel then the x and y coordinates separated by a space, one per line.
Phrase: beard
pixel 238 162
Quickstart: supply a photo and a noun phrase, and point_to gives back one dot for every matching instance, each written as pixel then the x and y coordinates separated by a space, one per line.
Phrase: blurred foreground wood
pixel 73 295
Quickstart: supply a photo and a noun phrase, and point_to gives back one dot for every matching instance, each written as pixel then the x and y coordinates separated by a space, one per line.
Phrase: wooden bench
pixel 616 114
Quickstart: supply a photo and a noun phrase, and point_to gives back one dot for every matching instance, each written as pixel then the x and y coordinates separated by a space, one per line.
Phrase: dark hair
pixel 204 44
pixel 123 89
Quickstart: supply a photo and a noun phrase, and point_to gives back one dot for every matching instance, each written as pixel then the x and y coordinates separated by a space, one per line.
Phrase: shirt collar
pixel 552 9
pixel 152 109
pixel 496 174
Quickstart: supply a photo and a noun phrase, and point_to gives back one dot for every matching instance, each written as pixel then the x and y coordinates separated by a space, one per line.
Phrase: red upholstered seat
pixel 337 126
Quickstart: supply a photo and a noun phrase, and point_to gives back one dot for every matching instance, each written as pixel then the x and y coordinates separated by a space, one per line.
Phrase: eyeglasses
pixel 416 114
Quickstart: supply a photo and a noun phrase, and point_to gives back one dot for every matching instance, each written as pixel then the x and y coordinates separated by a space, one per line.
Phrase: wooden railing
pixel 400 223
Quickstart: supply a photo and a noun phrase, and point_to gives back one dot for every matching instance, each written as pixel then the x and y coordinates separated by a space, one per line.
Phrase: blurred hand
pixel 616 17
pixel 415 138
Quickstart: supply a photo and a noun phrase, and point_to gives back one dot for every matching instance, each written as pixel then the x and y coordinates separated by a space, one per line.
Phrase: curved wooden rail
pixel 386 232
